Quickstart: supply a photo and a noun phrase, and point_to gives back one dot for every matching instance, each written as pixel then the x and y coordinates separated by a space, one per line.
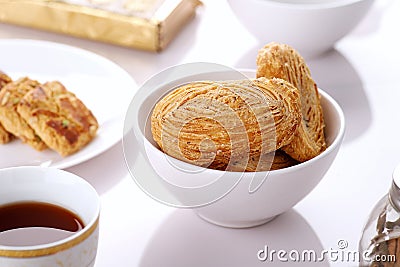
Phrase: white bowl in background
pixel 310 26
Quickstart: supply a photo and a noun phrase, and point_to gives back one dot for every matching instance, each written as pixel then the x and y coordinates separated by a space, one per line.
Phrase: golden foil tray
pixel 142 24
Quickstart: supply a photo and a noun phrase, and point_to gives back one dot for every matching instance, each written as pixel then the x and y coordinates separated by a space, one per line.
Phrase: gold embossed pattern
pixel 86 233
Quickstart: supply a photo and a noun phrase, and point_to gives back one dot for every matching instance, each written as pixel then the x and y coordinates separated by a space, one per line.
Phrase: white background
pixel 362 74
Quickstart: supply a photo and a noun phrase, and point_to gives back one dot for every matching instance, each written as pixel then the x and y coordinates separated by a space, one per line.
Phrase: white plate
pixel 104 87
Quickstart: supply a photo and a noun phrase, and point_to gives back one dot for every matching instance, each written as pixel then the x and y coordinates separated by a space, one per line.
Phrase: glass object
pixel 380 241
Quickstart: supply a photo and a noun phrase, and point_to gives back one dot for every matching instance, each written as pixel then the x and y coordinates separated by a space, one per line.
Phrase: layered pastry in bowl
pixel 257 145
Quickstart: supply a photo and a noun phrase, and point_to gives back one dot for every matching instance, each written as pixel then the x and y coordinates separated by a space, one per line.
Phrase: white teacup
pixel 60 188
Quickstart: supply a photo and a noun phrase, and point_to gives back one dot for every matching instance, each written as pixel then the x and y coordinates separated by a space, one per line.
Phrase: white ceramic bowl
pixel 283 188
pixel 222 197
pixel 310 26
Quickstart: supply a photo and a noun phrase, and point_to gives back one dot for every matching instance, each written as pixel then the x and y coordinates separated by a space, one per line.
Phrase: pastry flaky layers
pixel 228 125
pixel 282 61
pixel 46 116
pixel 268 123
pixel 5 136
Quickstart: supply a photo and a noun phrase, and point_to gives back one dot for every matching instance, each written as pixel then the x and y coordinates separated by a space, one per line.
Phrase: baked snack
pixel 4 79
pixel 282 160
pixel 10 96
pixel 272 161
pixel 282 61
pixel 5 136
pixel 226 125
pixel 58 117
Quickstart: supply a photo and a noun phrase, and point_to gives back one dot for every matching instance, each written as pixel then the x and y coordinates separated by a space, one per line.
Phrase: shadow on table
pixel 186 240
pixel 335 75
pixel 104 171
pixel 373 20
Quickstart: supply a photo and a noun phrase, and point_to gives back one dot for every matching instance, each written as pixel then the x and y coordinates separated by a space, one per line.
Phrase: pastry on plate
pixel 228 124
pixel 10 96
pixel 282 61
pixel 5 136
pixel 4 79
pixel 58 117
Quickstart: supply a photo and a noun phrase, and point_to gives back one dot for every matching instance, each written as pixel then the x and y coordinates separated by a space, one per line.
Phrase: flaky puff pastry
pixel 272 161
pixel 58 117
pixel 227 125
pixel 282 61
pixel 5 136
pixel 10 96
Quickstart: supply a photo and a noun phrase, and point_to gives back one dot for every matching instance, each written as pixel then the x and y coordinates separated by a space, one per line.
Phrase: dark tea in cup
pixel 30 223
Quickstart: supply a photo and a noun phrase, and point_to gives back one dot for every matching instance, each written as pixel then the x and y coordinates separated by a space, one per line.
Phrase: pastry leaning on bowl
pixel 267 123
pixel 282 61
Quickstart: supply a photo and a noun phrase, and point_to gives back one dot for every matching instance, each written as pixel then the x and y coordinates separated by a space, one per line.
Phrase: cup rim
pixel 62 244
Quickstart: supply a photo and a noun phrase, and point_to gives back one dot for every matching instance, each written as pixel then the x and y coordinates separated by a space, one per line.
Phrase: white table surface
pixel 362 74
